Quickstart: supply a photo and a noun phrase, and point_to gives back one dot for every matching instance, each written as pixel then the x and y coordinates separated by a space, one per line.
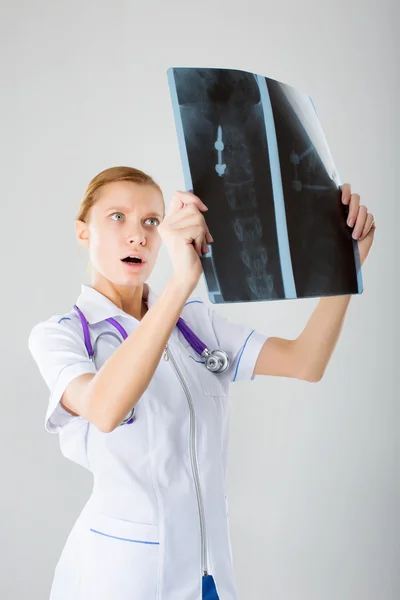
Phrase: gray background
pixel 313 471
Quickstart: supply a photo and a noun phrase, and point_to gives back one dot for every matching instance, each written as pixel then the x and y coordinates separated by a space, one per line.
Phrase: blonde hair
pixel 108 176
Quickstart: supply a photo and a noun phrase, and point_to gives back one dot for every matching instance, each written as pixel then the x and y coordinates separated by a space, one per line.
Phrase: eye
pixel 116 213
pixel 153 219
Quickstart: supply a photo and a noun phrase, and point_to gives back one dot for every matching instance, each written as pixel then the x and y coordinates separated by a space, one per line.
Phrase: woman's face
pixel 123 221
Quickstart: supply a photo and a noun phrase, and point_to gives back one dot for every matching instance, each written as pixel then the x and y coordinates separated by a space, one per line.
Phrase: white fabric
pixel 139 534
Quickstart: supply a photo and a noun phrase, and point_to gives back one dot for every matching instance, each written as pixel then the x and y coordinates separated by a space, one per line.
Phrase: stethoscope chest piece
pixel 216 361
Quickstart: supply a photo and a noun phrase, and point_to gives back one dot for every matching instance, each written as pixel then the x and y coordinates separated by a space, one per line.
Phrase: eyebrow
pixel 127 209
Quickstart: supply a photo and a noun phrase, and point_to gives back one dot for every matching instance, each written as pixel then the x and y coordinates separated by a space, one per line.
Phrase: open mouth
pixel 133 262
pixel 136 260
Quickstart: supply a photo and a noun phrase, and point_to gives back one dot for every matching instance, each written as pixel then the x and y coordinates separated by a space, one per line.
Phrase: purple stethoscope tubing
pixel 216 361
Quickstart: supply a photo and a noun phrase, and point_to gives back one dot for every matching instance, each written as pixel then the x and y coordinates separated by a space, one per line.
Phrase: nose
pixel 137 238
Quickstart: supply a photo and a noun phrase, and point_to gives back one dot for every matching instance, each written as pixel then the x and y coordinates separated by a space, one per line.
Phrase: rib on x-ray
pixel 254 151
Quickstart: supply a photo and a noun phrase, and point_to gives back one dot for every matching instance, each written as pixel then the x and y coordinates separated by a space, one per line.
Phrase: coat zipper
pixel 168 355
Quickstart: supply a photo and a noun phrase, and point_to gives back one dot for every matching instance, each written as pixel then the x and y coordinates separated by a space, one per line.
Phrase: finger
pixel 360 222
pixel 353 209
pixel 181 199
pixel 198 242
pixel 195 235
pixel 194 208
pixel 191 224
pixel 204 248
pixel 187 217
pixel 369 222
pixel 209 237
pixel 346 193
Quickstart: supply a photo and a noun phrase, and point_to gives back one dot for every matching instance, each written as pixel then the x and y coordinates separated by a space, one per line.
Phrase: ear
pixel 82 233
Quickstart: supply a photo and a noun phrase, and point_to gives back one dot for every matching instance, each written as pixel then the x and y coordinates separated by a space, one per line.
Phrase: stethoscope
pixel 216 361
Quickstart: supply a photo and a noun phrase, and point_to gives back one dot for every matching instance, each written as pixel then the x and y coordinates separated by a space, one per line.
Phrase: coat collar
pixel 96 307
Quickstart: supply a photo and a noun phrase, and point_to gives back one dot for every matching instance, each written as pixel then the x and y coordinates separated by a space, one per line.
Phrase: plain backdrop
pixel 313 468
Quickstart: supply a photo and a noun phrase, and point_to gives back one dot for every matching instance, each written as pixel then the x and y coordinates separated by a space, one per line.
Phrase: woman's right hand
pixel 186 235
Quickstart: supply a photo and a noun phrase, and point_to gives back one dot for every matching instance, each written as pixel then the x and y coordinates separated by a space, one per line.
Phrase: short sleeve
pixel 242 343
pixel 60 355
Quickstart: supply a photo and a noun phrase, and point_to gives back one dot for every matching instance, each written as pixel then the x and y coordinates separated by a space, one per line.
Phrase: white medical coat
pixel 139 535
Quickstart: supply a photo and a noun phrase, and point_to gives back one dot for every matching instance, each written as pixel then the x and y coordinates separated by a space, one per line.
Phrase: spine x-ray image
pixel 254 151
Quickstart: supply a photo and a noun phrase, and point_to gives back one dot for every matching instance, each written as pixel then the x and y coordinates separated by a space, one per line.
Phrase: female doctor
pixel 139 388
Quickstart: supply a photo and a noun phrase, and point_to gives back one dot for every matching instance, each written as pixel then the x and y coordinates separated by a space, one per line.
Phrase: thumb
pixel 176 204
pixel 181 199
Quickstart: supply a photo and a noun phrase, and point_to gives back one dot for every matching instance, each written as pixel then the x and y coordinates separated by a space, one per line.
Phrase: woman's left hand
pixel 362 222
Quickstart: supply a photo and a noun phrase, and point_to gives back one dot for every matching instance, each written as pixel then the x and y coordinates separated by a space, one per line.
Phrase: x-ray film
pixel 254 151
